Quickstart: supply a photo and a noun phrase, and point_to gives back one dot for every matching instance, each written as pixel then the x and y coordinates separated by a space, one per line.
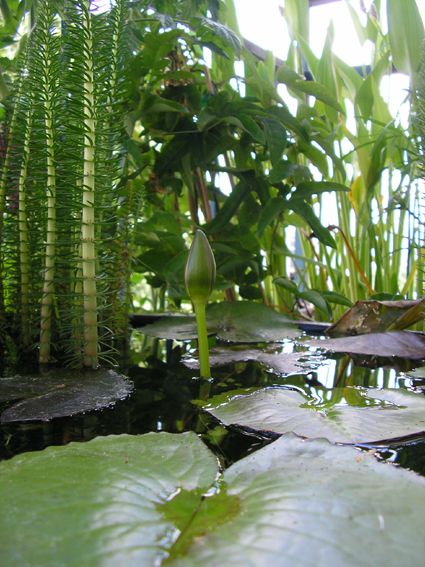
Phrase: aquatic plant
pixel 199 280
pixel 64 278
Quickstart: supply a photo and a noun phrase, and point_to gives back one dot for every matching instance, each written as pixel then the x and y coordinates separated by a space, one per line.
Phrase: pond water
pixel 167 396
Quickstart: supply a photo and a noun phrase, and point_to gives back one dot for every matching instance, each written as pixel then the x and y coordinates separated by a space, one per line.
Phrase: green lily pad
pixel 283 411
pixel 311 503
pixel 159 499
pixel 403 344
pixel 239 322
pixel 61 393
pixel 281 363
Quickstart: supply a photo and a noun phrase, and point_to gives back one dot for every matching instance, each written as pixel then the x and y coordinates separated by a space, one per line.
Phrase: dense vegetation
pixel 121 143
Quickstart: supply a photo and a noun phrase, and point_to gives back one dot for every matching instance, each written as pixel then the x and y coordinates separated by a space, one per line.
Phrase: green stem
pixel 50 250
pixel 24 252
pixel 88 247
pixel 203 352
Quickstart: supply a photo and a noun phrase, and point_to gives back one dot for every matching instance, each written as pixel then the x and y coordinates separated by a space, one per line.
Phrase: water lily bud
pixel 200 269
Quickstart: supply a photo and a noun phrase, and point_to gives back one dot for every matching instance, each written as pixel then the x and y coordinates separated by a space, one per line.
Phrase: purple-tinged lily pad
pixel 403 344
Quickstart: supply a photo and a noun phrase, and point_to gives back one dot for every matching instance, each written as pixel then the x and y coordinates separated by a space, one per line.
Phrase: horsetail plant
pixel 61 173
pixel 199 280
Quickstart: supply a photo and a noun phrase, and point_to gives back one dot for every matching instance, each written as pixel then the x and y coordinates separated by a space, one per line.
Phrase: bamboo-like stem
pixel 88 248
pixel 50 249
pixel 203 350
pixel 24 251
pixel 3 185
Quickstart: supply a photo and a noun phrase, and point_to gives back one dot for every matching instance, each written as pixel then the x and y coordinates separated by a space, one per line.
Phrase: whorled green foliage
pixel 62 205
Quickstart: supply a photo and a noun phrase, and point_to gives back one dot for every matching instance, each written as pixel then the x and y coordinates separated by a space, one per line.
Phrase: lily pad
pixel 373 316
pixel 61 393
pixel 283 411
pixel 307 503
pixel 143 500
pixel 403 344
pixel 281 363
pixel 239 322
pixel 96 503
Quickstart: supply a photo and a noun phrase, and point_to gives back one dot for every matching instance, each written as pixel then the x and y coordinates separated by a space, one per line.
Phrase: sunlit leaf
pixel 143 500
pixel 390 414
pixel 406 33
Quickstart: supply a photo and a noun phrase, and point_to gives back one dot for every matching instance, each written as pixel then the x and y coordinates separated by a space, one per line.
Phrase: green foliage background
pixel 183 142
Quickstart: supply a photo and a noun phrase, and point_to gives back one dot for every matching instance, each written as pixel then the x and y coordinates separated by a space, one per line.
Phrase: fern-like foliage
pixel 63 226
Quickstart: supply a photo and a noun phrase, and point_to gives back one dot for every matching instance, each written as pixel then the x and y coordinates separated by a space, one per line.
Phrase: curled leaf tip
pixel 200 269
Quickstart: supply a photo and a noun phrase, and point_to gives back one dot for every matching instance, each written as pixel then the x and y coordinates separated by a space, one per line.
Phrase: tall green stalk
pixel 50 251
pixel 88 233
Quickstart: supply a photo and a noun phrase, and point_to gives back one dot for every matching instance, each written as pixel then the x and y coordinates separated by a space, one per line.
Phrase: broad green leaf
pixel 337 298
pixel 99 503
pixel 306 212
pixel 60 393
pixel 239 321
pixel 316 298
pixel 229 208
pixel 287 284
pixel 150 500
pixel 273 208
pixel 308 188
pixel 403 344
pixel 318 91
pixel 276 139
pixel 297 14
pixel 221 31
pixel 384 415
pixel 307 503
pixel 406 33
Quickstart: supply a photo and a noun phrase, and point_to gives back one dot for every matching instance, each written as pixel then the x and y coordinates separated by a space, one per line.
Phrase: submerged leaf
pixel 283 411
pixel 61 393
pixel 143 500
pixel 403 344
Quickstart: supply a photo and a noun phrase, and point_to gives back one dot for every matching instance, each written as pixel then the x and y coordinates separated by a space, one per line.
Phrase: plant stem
pixel 24 252
pixel 50 248
pixel 88 248
pixel 203 352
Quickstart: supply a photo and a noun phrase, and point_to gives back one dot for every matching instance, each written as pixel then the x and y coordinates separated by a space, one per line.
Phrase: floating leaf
pixel 373 316
pixel 61 393
pixel 403 344
pixel 286 411
pixel 239 321
pixel 140 500
pixel 97 503
pixel 281 363
pixel 309 503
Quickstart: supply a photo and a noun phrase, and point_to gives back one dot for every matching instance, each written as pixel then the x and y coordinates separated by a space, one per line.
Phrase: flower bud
pixel 200 269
